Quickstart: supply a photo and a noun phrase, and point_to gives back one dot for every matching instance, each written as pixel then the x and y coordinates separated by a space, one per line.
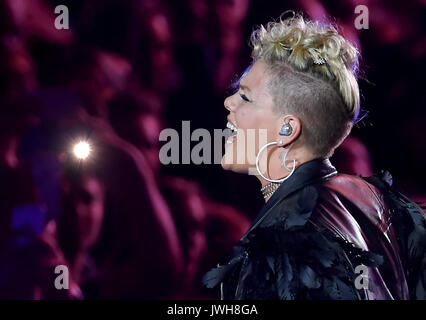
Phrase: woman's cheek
pixel 243 118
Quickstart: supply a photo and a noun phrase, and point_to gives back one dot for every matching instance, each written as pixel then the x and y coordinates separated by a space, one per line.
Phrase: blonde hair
pixel 313 71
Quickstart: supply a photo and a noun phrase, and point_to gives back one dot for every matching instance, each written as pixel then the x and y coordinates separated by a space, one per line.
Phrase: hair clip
pixel 319 61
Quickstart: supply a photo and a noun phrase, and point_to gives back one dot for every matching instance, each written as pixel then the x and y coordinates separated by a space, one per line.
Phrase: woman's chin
pixel 233 166
pixel 234 160
pixel 227 166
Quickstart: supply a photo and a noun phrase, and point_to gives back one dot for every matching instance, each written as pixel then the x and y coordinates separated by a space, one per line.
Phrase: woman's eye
pixel 243 96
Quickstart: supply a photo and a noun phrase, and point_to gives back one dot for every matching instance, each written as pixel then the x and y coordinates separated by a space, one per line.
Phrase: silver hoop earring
pixel 283 157
pixel 260 173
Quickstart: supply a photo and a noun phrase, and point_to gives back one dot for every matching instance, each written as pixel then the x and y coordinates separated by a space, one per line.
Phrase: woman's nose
pixel 228 103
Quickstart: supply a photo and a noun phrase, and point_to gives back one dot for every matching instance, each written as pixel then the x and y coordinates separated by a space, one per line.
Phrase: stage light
pixel 82 150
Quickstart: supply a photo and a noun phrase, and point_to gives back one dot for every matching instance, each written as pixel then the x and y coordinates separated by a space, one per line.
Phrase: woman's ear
pixel 289 129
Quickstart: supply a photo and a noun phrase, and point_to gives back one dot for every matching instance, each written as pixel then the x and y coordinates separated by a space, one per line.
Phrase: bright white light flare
pixel 82 150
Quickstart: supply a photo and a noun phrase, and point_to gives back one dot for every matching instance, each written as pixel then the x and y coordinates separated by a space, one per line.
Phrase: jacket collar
pixel 307 173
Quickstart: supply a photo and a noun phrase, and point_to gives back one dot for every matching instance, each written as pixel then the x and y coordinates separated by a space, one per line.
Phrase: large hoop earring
pixel 260 173
pixel 283 157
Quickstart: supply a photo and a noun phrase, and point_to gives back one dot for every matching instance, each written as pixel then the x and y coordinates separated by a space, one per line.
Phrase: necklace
pixel 269 189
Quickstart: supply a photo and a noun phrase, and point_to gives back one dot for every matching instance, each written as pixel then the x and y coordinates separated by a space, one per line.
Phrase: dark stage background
pixel 126 225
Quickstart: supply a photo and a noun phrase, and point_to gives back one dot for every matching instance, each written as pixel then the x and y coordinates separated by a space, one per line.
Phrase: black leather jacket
pixel 326 235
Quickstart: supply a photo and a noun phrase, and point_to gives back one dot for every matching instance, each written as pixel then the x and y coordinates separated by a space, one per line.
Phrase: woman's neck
pixel 276 169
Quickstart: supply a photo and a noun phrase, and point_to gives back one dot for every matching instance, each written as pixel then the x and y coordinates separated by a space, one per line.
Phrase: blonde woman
pixel 321 234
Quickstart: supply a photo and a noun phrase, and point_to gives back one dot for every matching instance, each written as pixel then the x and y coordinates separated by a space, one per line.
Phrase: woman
pixel 321 234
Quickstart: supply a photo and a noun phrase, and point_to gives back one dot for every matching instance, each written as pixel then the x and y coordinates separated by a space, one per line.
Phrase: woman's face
pixel 89 206
pixel 252 113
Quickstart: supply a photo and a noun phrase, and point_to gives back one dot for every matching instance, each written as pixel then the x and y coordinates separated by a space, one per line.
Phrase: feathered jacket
pixel 326 235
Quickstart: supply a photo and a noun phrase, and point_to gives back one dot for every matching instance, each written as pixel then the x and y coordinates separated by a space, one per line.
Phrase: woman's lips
pixel 231 126
pixel 234 130
pixel 231 138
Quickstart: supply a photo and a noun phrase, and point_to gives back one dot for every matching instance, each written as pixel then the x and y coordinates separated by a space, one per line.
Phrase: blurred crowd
pixel 124 224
